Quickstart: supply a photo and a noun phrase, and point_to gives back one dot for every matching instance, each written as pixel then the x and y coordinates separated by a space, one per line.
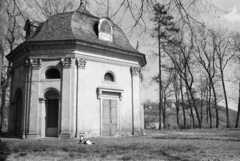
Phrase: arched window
pixel 108 77
pixel 52 74
pixel 105 27
pixel 105 30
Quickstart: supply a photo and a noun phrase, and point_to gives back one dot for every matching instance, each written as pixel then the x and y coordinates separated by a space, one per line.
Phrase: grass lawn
pixel 192 145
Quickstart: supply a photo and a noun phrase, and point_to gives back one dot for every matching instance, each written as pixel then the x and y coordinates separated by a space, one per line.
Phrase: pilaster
pixel 26 98
pixel 141 106
pixel 42 120
pixel 35 65
pixel 80 110
pixel 136 106
pixel 66 110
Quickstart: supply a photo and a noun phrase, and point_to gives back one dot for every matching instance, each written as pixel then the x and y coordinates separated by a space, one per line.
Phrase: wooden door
pixel 110 117
pixel 52 118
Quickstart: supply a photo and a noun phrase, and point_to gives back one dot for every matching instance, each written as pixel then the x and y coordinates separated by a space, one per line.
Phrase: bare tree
pixel 238 112
pixel 206 55
pixel 48 8
pixel 183 59
pixel 176 88
pixel 237 48
pixel 4 4
pixel 13 37
pixel 223 44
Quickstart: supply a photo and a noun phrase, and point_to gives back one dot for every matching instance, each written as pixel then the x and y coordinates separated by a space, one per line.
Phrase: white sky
pixel 228 17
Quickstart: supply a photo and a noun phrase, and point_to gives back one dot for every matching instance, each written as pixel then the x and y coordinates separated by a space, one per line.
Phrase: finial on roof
pixel 82 8
pixel 81 2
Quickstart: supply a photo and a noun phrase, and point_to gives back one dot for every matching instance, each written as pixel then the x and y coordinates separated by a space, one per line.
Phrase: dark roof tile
pixel 79 25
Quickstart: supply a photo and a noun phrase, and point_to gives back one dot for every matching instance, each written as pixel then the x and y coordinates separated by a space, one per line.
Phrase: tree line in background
pixel 194 68
pixel 193 58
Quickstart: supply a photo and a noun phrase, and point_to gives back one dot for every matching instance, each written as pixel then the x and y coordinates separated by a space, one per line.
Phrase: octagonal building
pixel 75 74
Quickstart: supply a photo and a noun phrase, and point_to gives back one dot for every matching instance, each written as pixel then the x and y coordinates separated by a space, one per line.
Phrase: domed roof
pixel 79 25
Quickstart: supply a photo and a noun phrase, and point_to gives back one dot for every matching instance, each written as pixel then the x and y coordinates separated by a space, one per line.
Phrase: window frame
pixel 51 68
pixel 112 75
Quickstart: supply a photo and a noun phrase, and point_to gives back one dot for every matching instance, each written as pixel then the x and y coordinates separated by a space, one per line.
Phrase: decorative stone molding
pixel 42 100
pixel 141 76
pixel 81 63
pixel 135 71
pixel 100 91
pixel 35 64
pixel 66 62
pixel 26 64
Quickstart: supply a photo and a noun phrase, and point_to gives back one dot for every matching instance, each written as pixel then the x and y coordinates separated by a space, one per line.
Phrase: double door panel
pixel 110 117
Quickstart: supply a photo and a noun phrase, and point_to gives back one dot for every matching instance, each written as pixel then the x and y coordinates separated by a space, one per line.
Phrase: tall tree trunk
pixel 160 80
pixel 4 94
pixel 177 106
pixel 190 105
pixel 195 106
pixel 215 104
pixel 201 104
pixel 225 96
pixel 238 113
pixel 3 30
pixel 164 112
pixel 209 105
pixel 207 96
pixel 184 114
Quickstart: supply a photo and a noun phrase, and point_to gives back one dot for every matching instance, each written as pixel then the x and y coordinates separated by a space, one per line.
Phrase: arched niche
pixel 52 73
pixel 52 112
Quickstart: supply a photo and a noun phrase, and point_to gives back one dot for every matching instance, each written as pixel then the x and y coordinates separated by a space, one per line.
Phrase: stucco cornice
pixel 72 44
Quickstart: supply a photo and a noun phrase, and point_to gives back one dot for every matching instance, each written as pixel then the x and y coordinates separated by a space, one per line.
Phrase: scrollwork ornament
pixel 135 71
pixel 66 62
pixel 81 63
pixel 35 64
pixel 26 64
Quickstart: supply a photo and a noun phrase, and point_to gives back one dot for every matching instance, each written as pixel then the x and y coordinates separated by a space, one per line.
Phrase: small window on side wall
pixel 52 74
pixel 108 77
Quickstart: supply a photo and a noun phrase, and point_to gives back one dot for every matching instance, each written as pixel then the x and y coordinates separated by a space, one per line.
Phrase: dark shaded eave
pixel 17 50
pixel 25 46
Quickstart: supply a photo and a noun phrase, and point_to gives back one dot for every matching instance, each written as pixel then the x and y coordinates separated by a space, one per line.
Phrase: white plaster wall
pixel 94 76
pixel 46 84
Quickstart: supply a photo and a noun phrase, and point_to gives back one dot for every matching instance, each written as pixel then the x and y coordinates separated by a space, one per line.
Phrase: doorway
pixel 110 117
pixel 52 113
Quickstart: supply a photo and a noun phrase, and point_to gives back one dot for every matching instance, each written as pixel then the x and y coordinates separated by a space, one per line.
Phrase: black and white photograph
pixel 137 80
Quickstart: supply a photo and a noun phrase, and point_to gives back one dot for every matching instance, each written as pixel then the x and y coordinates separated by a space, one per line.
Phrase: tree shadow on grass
pixel 172 152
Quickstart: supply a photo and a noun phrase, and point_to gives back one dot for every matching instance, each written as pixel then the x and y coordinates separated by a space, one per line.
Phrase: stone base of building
pixel 78 134
pixel 32 136
pixel 65 135
pixel 136 133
